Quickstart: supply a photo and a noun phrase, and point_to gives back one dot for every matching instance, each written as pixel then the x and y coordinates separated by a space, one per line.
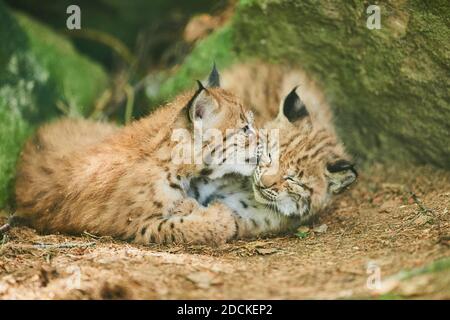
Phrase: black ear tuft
pixel 293 108
pixel 341 165
pixel 214 78
pixel 200 86
pixel 190 105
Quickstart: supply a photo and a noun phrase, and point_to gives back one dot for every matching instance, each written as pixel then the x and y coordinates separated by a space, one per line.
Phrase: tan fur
pixel 306 146
pixel 77 175
pixel 262 86
pixel 304 153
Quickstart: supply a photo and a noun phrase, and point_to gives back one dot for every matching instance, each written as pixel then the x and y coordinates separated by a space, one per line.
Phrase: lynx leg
pixel 191 223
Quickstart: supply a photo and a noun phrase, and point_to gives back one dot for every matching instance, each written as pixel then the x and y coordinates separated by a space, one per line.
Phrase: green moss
pixel 12 36
pixel 218 47
pixel 38 69
pixel 160 21
pixel 390 296
pixel 442 265
pixel 13 132
pixel 437 274
pixel 77 81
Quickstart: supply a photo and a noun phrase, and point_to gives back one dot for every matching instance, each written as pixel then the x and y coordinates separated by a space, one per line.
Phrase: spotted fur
pixel 294 180
pixel 78 175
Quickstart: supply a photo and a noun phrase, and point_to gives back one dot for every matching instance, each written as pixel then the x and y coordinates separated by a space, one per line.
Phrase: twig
pixel 130 102
pixel 93 236
pixel 339 241
pixel 63 245
pixel 420 204
pixel 100 104
pixel 426 210
pixel 108 40
pixel 64 108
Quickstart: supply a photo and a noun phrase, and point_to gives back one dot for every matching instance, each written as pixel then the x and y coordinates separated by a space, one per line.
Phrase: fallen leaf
pixel 422 219
pixel 394 187
pixel 303 229
pixel 321 229
pixel 267 251
pixel 388 206
pixel 260 244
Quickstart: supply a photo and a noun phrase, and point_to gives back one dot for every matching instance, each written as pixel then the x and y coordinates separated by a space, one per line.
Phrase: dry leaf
pixel 267 251
pixel 422 219
pixel 321 229
pixel 388 206
pixel 303 229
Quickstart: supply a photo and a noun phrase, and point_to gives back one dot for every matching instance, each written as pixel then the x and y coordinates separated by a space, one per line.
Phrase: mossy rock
pixel 127 21
pixel 217 48
pixel 71 78
pixel 388 87
pixel 38 70
pixel 13 132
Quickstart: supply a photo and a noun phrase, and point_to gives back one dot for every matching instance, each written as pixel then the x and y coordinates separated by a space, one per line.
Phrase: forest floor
pixel 393 225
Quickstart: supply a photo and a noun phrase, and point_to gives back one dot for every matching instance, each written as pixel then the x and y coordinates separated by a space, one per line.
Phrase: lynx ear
pixel 214 78
pixel 294 108
pixel 203 106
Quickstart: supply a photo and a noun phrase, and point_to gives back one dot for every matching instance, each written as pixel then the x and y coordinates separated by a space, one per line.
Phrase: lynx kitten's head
pixel 301 169
pixel 229 142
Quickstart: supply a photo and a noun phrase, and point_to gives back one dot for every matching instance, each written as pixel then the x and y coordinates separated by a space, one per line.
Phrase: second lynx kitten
pixel 289 189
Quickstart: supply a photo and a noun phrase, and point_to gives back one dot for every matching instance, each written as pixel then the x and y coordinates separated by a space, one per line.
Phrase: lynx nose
pixel 270 180
pixel 265 160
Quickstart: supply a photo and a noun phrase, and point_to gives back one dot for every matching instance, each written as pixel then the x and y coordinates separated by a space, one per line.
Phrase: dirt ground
pixel 394 225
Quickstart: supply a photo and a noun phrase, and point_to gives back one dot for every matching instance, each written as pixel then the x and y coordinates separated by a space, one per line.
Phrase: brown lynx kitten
pixel 77 175
pixel 297 175
pixel 262 86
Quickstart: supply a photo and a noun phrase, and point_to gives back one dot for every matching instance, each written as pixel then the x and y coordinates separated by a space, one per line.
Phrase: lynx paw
pixel 184 207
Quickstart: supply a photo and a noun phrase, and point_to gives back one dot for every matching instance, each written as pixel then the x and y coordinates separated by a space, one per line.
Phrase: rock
pixel 13 130
pixel 388 206
pixel 38 70
pixel 66 75
pixel 158 24
pixel 218 45
pixel 303 229
pixel 374 78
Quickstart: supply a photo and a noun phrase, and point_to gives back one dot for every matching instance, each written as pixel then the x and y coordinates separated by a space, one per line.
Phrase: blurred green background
pixel 389 88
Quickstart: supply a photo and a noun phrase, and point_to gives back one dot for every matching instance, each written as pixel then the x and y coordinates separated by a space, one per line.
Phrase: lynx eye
pixel 292 179
pixel 340 165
